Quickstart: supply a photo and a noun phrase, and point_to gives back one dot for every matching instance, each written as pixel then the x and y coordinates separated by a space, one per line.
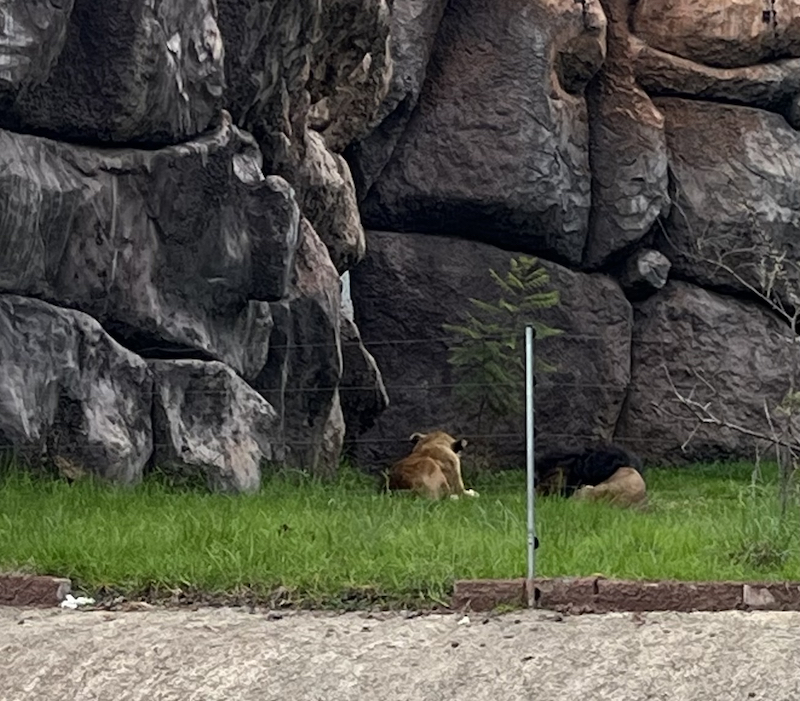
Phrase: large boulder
pixel 773 86
pixel 498 146
pixel 413 29
pixel 720 33
pixel 177 250
pixel 628 150
pixel 409 286
pixel 732 355
pixel 209 424
pixel 70 394
pixel 304 368
pixel 128 71
pixel 736 183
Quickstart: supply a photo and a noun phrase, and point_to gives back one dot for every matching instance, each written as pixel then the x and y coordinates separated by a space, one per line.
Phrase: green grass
pixel 327 544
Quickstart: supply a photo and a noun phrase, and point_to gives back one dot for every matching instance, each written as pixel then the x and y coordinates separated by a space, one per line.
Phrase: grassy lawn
pixel 325 543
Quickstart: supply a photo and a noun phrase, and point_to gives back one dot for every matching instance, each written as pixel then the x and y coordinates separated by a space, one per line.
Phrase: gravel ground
pixel 234 655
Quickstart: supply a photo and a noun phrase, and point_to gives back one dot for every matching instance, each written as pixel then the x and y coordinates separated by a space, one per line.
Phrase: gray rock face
pixel 176 249
pixel 33 36
pixel 301 64
pixel 208 422
pixel 725 35
pixel 363 395
pixel 328 200
pixel 273 48
pixel 302 375
pixel 542 127
pixel 413 29
pixel 350 70
pixel 410 285
pixel 736 181
pixel 497 148
pixel 272 218
pixel 71 394
pixel 771 86
pixel 124 72
pixel 268 49
pixel 628 151
pixel 720 350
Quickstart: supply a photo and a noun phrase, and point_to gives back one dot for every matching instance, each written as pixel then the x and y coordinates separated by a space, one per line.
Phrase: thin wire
pixel 149 350
pixel 540 385
pixel 546 383
pixel 405 440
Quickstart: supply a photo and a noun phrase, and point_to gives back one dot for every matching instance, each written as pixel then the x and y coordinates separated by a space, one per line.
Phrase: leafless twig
pixel 777 285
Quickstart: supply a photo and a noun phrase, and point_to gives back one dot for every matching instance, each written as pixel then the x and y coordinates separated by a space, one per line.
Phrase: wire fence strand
pixel 367 343
pixel 567 384
pixel 544 436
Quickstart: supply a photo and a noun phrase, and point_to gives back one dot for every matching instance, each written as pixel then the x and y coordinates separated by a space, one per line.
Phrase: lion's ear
pixel 459 445
pixel 416 437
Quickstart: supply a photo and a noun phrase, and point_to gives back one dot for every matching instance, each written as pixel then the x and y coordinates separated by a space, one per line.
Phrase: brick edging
pixel 600 595
pixel 567 594
pixel 32 590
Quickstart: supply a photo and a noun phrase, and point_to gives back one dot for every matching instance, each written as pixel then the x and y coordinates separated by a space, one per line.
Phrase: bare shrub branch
pixel 775 282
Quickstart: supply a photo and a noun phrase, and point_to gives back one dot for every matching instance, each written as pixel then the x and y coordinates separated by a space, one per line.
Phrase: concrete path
pixel 233 655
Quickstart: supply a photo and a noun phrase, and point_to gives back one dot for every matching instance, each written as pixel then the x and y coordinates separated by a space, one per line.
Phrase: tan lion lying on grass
pixel 433 469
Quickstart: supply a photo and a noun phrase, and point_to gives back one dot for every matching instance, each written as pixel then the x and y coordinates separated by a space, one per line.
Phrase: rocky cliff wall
pixel 647 152
pixel 183 184
pixel 174 218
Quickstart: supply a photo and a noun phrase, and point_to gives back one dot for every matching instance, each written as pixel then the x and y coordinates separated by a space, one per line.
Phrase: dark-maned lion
pixel 565 472
pixel 625 488
pixel 433 469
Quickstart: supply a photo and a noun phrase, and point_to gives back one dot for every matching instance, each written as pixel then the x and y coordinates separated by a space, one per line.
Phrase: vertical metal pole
pixel 530 334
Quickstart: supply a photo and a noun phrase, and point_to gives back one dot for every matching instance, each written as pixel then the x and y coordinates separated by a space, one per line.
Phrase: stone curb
pixel 600 595
pixel 32 590
pixel 567 595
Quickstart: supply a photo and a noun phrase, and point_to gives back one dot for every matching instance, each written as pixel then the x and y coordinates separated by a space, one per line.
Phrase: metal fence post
pixel 530 335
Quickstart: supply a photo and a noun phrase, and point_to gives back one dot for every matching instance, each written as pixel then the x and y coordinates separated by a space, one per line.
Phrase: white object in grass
pixel 73 602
